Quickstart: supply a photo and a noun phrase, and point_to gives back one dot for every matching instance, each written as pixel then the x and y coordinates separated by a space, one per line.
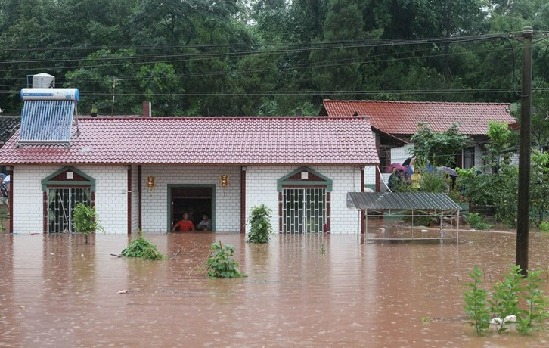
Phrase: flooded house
pixel 394 123
pixel 142 172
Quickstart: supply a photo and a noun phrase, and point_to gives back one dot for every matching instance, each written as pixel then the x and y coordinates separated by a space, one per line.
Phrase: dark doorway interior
pixel 195 200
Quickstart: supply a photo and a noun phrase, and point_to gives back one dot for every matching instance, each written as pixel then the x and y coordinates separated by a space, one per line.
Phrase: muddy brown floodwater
pixel 307 291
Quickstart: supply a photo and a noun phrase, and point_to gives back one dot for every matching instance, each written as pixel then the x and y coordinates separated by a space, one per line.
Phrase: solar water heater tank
pixel 50 94
pixel 43 80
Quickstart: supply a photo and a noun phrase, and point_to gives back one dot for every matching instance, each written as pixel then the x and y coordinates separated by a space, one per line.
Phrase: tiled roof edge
pixel 411 102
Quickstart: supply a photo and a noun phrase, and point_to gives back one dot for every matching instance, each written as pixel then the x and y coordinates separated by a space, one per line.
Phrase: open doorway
pixel 193 199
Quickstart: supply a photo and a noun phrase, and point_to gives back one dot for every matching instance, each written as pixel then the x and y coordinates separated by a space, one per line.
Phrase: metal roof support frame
pixel 437 204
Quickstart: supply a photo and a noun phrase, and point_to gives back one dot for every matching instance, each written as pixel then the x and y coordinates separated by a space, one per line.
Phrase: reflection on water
pixel 300 291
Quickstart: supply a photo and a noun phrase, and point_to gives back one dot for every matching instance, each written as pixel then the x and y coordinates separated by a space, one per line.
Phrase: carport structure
pixel 398 213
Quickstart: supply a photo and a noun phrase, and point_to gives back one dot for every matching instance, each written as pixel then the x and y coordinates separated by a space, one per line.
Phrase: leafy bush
pixel 476 221
pixel 433 182
pixel 535 313
pixel 516 300
pixel 220 262
pixel 457 196
pixel 475 303
pixel 85 219
pixel 544 226
pixel 505 297
pixel 260 221
pixel 142 248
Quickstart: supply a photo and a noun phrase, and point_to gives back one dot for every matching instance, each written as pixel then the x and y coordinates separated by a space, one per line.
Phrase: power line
pixel 332 45
pixel 370 59
pixel 302 93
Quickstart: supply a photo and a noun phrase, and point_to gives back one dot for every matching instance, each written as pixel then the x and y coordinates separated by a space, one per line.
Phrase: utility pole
pixel 523 208
pixel 114 80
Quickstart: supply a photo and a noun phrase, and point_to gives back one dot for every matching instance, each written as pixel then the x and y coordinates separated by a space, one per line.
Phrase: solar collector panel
pixel 46 121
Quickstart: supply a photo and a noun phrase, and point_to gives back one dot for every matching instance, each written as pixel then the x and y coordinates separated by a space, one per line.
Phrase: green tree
pixel 336 66
pixel 540 116
pixel 501 145
pixel 111 87
pixel 160 83
pixel 539 186
pixel 439 149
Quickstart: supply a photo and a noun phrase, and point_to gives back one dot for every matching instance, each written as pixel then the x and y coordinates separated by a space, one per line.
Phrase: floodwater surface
pixel 303 290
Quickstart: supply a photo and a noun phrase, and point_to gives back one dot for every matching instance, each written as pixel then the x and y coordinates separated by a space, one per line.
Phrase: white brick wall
pixel 156 207
pixel 261 188
pixel 110 196
pixel 111 201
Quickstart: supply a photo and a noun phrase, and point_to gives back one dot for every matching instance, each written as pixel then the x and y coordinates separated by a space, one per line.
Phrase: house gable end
pixel 312 178
pixel 68 176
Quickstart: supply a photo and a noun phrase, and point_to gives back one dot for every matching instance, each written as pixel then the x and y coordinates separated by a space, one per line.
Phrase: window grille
pixel 61 202
pixel 304 210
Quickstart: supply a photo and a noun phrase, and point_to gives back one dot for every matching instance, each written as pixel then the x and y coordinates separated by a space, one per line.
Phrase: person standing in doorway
pixel 205 224
pixel 184 225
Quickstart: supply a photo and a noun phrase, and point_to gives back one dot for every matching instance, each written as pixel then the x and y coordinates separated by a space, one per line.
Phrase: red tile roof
pixel 403 117
pixel 210 141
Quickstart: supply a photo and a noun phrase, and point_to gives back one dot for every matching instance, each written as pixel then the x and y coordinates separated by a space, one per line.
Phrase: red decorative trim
pixel 308 186
pixel 45 212
pixel 362 215
pixel 10 198
pixel 312 177
pixel 242 200
pixel 63 176
pixel 129 200
pixel 139 193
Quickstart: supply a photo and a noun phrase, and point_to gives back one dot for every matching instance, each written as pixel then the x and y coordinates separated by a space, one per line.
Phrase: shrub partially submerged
pixel 260 224
pixel 220 262
pixel 142 248
pixel 85 220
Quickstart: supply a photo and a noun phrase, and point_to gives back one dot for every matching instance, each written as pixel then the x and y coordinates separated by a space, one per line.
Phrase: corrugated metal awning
pixel 400 201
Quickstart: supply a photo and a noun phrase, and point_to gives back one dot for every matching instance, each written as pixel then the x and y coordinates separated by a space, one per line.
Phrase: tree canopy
pixel 272 57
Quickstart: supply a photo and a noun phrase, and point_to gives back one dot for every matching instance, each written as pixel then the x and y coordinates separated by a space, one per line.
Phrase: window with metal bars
pixel 304 210
pixel 61 203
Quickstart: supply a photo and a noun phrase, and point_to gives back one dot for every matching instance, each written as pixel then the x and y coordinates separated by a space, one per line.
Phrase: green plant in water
pixel 505 297
pixel 475 303
pixel 477 222
pixel 142 248
pixel 505 302
pixel 544 226
pixel 260 224
pixel 220 262
pixel 85 220
pixel 4 215
pixel 535 313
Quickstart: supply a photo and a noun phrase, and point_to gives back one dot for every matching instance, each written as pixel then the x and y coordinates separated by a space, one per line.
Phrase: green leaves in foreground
pixel 475 302
pixel 220 262
pixel 260 224
pixel 142 248
pixel 516 301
